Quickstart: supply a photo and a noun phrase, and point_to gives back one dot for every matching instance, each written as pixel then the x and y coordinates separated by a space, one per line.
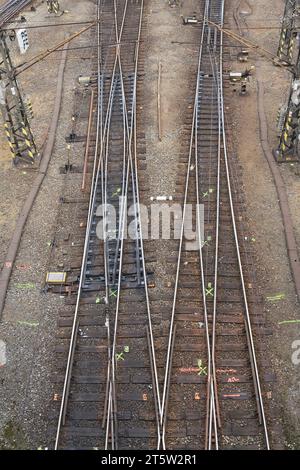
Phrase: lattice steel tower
pixel 53 6
pixel 290 27
pixel 14 110
pixel 289 121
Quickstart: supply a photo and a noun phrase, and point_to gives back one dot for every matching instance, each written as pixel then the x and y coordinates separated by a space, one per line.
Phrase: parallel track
pixel 211 396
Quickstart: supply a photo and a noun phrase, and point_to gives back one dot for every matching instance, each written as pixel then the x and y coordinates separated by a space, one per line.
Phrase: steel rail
pixel 75 325
pixel 104 130
pixel 193 140
pixel 218 77
pixel 140 233
pixel 106 281
pixel 211 405
pixel 150 330
pixel 132 167
pixel 247 318
pixel 216 415
pixel 105 142
pixel 118 41
pixel 95 178
pixel 110 412
pixel 104 134
pixel 213 409
pixel 128 127
pixel 112 403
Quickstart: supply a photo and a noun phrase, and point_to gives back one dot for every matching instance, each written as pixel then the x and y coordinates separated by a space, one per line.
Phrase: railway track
pixel 205 392
pixel 110 393
pixel 211 357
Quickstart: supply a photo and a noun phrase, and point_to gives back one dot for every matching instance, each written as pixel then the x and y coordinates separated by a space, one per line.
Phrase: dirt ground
pixel 29 321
